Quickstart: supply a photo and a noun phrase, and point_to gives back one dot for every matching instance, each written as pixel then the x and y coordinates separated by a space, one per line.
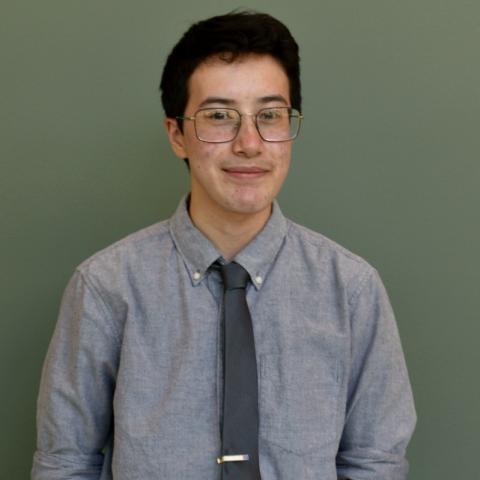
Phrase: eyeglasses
pixel 220 125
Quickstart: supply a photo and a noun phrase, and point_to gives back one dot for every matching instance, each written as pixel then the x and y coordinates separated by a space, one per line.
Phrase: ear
pixel 175 137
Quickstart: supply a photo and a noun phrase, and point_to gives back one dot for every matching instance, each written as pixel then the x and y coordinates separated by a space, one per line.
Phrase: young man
pixel 160 368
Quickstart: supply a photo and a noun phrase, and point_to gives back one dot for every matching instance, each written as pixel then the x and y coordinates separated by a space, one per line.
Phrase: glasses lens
pixel 278 124
pixel 217 125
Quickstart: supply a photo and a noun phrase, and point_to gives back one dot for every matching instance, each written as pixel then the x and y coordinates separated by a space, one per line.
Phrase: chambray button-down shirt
pixel 132 383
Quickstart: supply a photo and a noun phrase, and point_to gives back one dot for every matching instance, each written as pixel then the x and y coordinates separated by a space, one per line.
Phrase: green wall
pixel 387 164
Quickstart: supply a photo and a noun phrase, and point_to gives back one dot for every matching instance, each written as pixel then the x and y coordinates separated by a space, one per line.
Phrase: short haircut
pixel 229 36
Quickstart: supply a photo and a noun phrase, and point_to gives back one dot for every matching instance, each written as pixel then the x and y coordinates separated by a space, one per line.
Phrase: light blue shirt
pixel 132 384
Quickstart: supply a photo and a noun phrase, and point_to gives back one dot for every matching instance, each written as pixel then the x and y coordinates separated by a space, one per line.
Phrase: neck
pixel 230 232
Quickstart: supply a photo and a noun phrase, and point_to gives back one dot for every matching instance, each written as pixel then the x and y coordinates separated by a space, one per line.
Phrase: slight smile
pixel 245 172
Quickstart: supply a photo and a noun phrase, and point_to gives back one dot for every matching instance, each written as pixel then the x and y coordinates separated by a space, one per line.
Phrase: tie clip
pixel 233 458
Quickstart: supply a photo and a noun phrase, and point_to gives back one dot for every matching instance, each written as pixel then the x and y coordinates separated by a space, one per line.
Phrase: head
pixel 228 37
pixel 243 61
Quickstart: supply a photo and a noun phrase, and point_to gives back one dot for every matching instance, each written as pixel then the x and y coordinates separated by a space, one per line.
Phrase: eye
pixel 218 115
pixel 270 114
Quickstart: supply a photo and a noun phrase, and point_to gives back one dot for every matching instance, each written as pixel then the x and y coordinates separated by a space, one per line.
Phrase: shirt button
pixel 197 275
pixel 258 280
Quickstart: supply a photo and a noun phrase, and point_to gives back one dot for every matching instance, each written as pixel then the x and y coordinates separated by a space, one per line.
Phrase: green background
pixel 387 164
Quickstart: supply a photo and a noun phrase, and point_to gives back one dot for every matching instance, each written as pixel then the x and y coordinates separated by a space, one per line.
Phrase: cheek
pixel 207 155
pixel 283 153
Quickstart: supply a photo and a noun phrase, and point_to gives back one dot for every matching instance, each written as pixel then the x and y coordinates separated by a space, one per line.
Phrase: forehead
pixel 247 78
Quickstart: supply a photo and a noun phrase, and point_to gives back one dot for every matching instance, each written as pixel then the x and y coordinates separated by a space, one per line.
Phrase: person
pixel 134 382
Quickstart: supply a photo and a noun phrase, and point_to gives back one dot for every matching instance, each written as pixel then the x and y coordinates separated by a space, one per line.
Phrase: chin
pixel 250 207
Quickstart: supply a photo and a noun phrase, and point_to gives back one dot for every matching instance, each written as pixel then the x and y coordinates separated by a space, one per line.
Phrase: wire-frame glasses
pixel 220 125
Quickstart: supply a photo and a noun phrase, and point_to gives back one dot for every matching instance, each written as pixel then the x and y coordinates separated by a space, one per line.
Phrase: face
pixel 243 176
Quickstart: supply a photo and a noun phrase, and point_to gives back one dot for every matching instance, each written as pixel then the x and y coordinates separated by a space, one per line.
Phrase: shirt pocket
pixel 298 401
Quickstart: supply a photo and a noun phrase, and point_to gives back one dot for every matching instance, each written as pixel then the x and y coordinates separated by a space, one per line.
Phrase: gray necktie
pixel 240 403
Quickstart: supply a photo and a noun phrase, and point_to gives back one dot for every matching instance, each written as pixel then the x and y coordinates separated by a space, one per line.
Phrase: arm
pixel 380 415
pixel 74 408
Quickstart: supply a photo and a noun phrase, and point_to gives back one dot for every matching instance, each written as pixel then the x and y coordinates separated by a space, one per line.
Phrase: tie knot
pixel 234 276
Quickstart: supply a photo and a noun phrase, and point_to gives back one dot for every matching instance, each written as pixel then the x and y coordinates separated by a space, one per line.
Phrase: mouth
pixel 245 172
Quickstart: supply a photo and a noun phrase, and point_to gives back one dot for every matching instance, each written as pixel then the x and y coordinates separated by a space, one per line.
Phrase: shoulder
pixel 131 252
pixel 327 258
pixel 321 242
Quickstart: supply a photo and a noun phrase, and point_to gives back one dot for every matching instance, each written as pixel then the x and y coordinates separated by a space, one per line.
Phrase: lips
pixel 245 171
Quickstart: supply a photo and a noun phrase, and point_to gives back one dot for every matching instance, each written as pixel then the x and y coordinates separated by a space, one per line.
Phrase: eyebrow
pixel 220 100
pixel 230 102
pixel 274 98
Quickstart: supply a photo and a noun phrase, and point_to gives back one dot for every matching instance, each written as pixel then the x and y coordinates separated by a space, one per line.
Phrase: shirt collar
pixel 199 253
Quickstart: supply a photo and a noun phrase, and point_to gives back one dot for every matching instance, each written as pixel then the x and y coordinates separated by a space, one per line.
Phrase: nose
pixel 248 142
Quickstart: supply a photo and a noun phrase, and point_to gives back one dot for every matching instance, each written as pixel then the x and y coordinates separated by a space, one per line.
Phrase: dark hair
pixel 230 36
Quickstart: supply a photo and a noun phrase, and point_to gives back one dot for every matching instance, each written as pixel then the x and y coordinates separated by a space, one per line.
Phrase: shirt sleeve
pixel 380 413
pixel 74 408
